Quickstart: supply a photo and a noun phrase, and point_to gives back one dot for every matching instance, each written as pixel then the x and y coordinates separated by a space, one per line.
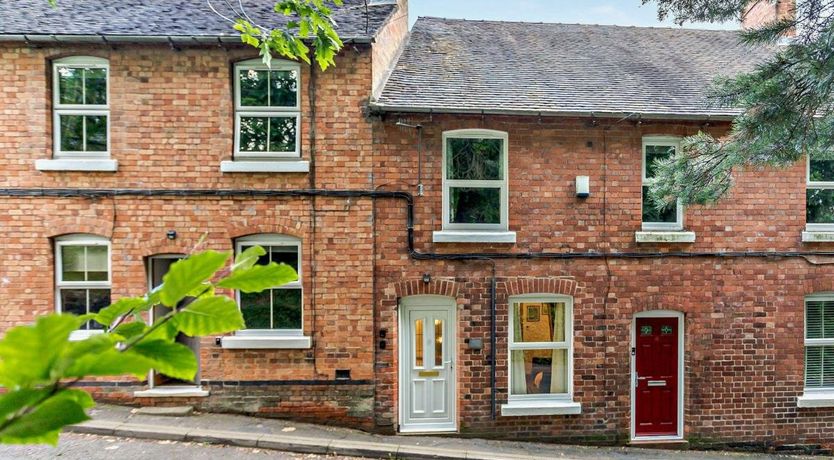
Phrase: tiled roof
pixel 175 18
pixel 512 67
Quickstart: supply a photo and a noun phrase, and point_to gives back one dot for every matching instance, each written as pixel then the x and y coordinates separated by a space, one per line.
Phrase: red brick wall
pixel 388 45
pixel 761 12
pixel 744 317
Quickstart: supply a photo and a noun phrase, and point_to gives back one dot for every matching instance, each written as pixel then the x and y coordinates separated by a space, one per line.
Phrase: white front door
pixel 427 377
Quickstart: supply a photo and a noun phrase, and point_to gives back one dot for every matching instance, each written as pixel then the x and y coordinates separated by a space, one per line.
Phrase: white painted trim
pixel 663 141
pixel 59 109
pixel 810 236
pixel 681 374
pixel 517 408
pixel 237 342
pixel 240 166
pixel 436 302
pixel 83 334
pixel 473 236
pixel 502 184
pixel 274 239
pixel 554 402
pixel 267 111
pixel 172 391
pixel 664 237
pixel 816 399
pixel 77 164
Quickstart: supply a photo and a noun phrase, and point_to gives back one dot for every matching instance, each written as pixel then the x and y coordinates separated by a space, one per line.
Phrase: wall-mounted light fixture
pixel 583 186
pixel 172 234
pixel 426 278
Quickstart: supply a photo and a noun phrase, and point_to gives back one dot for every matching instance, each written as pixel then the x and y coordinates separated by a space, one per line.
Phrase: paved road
pixel 90 447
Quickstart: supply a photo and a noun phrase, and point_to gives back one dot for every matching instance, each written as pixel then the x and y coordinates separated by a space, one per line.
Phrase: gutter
pixel 379 109
pixel 109 39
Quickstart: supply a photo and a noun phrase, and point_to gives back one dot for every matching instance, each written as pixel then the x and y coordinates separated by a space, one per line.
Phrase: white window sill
pixel 275 166
pixel 473 236
pixel 818 236
pixel 516 408
pixel 821 399
pixel 657 236
pixel 83 334
pixel 67 164
pixel 237 342
pixel 177 391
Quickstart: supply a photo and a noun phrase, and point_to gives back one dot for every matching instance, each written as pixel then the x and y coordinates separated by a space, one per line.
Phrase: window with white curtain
pixel 541 347
pixel 82 275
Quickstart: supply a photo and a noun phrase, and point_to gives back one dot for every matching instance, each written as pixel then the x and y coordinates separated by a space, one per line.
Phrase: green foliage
pixel 787 103
pixel 312 21
pixel 39 363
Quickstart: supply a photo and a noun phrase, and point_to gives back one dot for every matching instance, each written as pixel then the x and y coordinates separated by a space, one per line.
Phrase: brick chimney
pixel 761 12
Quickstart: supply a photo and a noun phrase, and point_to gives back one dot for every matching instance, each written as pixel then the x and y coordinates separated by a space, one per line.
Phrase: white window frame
pixel 80 240
pixel 59 109
pixel 503 184
pixel 661 141
pixel 566 345
pixel 261 111
pixel 827 297
pixel 815 185
pixel 272 239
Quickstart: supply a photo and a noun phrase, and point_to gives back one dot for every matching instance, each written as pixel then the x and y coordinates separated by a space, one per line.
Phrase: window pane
pixel 654 153
pixel 97 263
pixel 470 205
pixel 253 87
pixel 821 171
pixel 474 159
pixel 438 343
pixel 819 366
pixel 285 255
pixel 253 134
pixel 70 89
pixel 282 134
pixel 96 86
pixel 74 301
pixel 819 319
pixel 418 343
pixel 99 298
pixel 72 133
pixel 819 206
pixel 669 214
pixel 96 133
pixel 539 372
pixel 255 308
pixel 284 88
pixel 72 263
pixel 286 309
pixel 539 322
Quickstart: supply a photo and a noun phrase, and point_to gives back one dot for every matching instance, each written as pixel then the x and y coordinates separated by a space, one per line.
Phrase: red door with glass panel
pixel 656 365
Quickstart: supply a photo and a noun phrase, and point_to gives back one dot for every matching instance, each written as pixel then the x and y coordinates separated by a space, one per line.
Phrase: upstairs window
pixel 81 110
pixel 475 182
pixel 671 217
pixel 82 275
pixel 819 195
pixel 819 343
pixel 267 110
pixel 279 310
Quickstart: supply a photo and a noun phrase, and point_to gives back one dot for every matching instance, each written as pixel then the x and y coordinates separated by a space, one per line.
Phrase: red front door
pixel 656 364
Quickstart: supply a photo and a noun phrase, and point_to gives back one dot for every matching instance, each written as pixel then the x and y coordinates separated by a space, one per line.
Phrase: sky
pixel 618 12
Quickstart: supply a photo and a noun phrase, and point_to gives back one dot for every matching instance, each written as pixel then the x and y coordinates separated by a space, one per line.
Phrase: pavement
pixel 288 436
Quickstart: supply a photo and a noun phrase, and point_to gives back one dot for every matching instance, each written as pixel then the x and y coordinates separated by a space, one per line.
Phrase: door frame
pixel 633 374
pixel 417 302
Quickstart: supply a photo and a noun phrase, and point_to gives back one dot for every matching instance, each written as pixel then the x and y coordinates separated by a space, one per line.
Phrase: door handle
pixel 449 363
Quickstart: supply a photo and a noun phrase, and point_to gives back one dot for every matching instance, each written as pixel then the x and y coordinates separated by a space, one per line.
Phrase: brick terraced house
pixel 465 204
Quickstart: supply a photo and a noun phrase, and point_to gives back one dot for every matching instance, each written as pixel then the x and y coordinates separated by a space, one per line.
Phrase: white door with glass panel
pixel 427 383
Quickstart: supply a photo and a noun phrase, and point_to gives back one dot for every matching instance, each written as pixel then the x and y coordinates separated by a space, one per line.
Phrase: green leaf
pixel 121 307
pixel 14 401
pixel 110 363
pixel 248 258
pixel 131 329
pixel 259 277
pixel 28 353
pixel 166 331
pixel 170 358
pixel 186 274
pixel 43 424
pixel 209 315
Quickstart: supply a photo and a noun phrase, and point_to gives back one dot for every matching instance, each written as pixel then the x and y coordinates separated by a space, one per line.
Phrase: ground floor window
pixel 82 275
pixel 276 310
pixel 540 347
pixel 819 343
